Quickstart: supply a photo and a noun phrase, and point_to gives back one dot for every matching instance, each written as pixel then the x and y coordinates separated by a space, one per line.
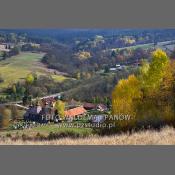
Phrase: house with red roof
pixel 74 112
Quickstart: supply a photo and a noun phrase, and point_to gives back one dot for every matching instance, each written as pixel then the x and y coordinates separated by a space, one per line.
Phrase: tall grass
pixel 165 136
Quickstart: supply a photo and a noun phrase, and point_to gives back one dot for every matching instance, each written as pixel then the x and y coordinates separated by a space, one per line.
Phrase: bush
pixel 40 136
pixel 25 137
pixel 5 116
pixel 69 134
pixel 8 135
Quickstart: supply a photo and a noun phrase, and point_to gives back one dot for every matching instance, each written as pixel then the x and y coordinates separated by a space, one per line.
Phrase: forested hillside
pixel 79 83
pixel 79 57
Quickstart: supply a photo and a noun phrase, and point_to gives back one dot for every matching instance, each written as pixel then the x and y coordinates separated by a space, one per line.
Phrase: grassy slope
pixel 45 130
pixel 17 67
pixel 151 137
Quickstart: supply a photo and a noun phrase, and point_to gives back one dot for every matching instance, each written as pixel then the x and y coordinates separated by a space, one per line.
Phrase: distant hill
pixel 17 67
pixel 68 34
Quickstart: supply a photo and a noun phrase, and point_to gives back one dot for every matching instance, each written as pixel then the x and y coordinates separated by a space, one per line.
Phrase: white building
pixel 113 69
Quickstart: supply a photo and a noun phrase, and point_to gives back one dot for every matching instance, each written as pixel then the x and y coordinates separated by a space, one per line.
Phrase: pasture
pixel 17 67
pixel 45 130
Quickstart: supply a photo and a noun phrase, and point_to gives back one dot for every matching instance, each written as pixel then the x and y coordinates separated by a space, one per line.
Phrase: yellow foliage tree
pixel 124 96
pixel 150 95
pixel 14 89
pixel 166 93
pixel 157 70
pixel 5 116
pixel 30 79
pixel 60 107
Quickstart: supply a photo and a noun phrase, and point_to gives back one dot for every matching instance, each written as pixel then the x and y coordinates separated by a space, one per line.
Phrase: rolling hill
pixel 17 67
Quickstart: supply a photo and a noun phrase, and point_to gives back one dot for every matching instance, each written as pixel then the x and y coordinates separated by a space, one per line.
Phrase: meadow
pixel 166 136
pixel 17 67
pixel 45 130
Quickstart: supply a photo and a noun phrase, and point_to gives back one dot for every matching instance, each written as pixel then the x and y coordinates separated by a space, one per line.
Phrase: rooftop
pixel 75 111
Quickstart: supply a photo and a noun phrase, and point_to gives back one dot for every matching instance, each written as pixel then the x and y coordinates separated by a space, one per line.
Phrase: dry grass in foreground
pixel 164 137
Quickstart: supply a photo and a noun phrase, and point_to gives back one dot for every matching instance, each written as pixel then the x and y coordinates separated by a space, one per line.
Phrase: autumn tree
pixel 156 81
pixel 60 107
pixel 14 112
pixel 166 94
pixel 124 99
pixel 5 116
pixel 153 75
pixel 14 89
pixel 30 79
pixel 149 96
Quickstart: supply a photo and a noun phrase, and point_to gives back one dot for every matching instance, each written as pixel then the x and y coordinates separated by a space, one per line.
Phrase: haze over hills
pixel 79 53
pixel 63 34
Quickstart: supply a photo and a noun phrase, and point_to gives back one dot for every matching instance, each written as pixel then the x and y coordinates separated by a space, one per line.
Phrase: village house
pixel 33 113
pixel 47 114
pixel 112 69
pixel 40 114
pixel 73 104
pixel 89 106
pixel 4 47
pixel 101 107
pixel 48 101
pixel 98 107
pixel 117 67
pixel 75 112
pixel 21 43
pixel 7 45
pixel 44 111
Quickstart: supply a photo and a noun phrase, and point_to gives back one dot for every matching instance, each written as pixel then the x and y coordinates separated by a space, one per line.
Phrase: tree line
pixel 149 96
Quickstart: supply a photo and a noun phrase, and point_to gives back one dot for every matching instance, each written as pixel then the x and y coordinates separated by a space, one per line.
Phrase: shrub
pixel 5 116
pixel 8 135
pixel 40 136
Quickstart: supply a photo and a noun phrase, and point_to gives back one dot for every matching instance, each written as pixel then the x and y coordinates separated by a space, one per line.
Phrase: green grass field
pixel 17 67
pixel 143 46
pixel 46 130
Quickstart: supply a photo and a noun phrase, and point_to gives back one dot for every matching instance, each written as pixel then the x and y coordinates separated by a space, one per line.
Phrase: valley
pixel 18 67
pixel 68 86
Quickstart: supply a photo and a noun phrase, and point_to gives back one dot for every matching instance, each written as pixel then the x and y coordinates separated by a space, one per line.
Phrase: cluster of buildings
pixel 44 111
pixel 119 67
pixel 6 47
